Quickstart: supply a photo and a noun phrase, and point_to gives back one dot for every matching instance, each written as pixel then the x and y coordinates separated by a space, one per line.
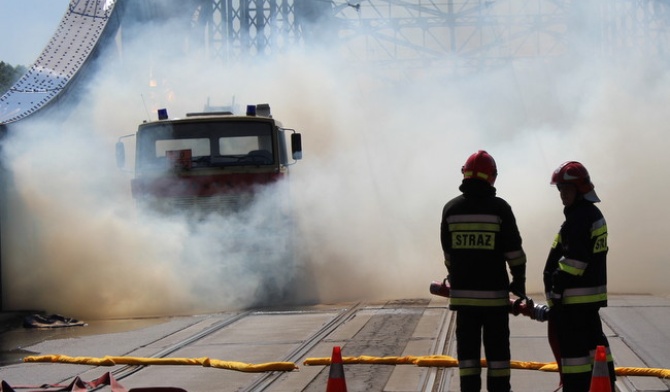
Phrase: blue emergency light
pixel 162 114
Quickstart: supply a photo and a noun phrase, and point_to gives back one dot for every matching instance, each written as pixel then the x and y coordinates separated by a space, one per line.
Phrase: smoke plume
pixel 380 160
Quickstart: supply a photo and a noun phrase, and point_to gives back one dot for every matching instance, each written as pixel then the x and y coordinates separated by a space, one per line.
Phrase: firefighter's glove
pixel 518 287
pixel 558 282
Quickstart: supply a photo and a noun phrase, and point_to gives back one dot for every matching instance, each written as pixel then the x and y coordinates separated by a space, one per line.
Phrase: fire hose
pixel 522 305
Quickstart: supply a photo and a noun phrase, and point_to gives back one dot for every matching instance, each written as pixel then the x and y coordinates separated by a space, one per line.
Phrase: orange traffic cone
pixel 336 381
pixel 600 379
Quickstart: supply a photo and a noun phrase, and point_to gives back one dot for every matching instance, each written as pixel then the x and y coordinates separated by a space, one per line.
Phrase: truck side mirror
pixel 120 155
pixel 296 146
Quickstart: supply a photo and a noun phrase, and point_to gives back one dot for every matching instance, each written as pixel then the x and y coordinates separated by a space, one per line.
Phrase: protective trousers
pixel 580 331
pixel 493 324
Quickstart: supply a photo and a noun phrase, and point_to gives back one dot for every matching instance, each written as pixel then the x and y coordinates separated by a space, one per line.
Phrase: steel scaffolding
pixel 474 34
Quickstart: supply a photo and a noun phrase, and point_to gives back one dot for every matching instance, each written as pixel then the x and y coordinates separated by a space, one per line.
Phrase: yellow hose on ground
pixel 364 359
pixel 447 361
pixel 424 361
pixel 206 362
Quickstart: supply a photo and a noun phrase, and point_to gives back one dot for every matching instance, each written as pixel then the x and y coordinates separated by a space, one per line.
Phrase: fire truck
pixel 216 163
pixel 209 162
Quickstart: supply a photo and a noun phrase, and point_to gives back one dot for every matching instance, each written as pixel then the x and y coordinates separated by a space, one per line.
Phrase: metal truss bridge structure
pixel 455 36
pixel 467 33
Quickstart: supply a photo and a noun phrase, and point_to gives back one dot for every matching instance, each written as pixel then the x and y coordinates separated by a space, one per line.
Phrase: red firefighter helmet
pixel 480 165
pixel 572 172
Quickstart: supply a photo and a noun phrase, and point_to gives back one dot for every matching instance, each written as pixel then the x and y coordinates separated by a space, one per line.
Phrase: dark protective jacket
pixel 480 238
pixel 576 271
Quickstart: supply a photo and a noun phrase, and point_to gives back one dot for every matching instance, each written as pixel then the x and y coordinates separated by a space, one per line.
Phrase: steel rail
pixel 268 379
pixel 438 380
pixel 128 370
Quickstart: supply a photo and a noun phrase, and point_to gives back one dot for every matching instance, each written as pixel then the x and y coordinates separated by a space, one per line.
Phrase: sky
pixel 380 160
pixel 30 24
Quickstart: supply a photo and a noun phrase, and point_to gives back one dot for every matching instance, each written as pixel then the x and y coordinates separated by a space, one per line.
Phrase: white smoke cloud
pixel 380 161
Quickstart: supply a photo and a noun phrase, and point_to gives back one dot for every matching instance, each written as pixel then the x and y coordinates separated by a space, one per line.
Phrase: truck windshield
pixel 199 144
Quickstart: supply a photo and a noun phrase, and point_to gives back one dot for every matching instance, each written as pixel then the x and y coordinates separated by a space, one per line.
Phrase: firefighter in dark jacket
pixel 480 239
pixel 575 279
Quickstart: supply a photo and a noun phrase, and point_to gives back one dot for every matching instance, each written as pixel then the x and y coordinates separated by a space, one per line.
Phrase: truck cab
pixel 209 162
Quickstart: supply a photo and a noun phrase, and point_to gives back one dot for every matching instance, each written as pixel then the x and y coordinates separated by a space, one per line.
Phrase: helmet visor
pixel 591 196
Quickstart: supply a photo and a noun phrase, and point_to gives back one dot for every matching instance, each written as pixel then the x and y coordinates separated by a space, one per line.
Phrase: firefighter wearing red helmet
pixel 480 240
pixel 575 279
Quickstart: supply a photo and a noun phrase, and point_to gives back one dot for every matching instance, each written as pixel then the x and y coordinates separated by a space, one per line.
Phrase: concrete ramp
pixel 71 46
